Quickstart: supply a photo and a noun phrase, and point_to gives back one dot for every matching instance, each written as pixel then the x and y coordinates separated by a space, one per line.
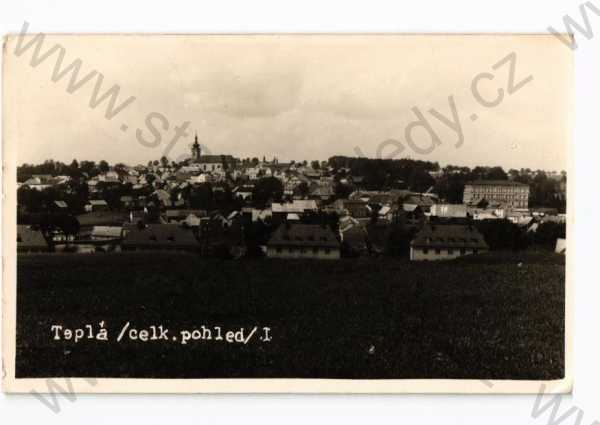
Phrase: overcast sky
pixel 296 97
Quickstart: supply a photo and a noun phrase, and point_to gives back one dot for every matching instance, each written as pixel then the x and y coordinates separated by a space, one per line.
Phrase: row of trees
pixel 382 174
pixel 56 168
pixel 544 190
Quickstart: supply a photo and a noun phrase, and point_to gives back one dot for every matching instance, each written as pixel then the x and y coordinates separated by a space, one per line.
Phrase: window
pixel 279 250
pixel 327 250
pixel 462 251
pixel 425 251
pixel 450 251
pixel 315 250
pixel 438 251
pixel 475 250
pixel 302 250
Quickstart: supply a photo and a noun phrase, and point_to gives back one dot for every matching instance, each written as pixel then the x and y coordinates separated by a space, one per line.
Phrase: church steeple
pixel 196 151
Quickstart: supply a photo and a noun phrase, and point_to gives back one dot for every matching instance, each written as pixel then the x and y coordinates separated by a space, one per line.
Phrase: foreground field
pixel 489 318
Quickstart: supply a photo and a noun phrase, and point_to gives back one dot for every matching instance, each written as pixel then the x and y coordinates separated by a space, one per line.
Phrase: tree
pixel 342 191
pixel 502 235
pixel 120 168
pixel 548 232
pixel 496 173
pixel 302 189
pixel 398 241
pixel 103 166
pixel 420 180
pixel 150 178
pixel 88 167
pixel 164 162
pixel 315 165
pixel 201 196
pixel 267 189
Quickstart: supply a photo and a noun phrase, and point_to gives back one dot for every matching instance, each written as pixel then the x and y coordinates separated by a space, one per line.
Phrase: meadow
pixel 496 316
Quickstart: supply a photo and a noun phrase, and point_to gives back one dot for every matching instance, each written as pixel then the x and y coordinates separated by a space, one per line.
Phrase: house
pixel 303 241
pixel 423 202
pixel 448 211
pixel 244 192
pixel 254 214
pixel 412 212
pixel 300 207
pixel 126 201
pixel 444 242
pixel 353 235
pixel 192 221
pixel 94 205
pixel 29 240
pixel 353 208
pixel 102 218
pixel 561 246
pixel 177 216
pixel 163 197
pixel 38 183
pixel 103 233
pixel 60 206
pixel 322 192
pixel 159 237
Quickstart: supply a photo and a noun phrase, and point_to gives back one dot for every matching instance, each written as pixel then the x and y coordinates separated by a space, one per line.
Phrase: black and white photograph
pixel 287 213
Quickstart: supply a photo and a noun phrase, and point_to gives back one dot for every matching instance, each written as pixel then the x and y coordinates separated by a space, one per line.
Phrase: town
pixel 222 206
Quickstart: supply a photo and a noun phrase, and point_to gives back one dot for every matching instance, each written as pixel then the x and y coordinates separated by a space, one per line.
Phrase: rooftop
pixel 449 236
pixel 495 183
pixel 307 235
pixel 159 235
pixel 28 238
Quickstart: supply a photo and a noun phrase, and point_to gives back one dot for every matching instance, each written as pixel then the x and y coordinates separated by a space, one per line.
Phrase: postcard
pixel 287 213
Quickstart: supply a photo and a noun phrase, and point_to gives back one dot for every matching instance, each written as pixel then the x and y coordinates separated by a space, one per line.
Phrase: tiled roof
pixel 160 236
pixel 449 236
pixel 102 218
pixel 307 235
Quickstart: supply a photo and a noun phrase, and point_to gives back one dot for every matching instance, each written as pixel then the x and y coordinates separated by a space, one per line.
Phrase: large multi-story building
pixel 506 192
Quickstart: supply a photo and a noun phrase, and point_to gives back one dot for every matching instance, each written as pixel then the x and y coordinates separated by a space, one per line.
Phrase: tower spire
pixel 196 149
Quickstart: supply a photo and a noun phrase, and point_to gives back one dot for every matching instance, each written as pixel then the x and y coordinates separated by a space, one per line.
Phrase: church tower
pixel 196 150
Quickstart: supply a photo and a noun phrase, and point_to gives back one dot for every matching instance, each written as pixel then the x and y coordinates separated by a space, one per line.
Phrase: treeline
pixel 56 168
pixel 546 190
pixel 384 174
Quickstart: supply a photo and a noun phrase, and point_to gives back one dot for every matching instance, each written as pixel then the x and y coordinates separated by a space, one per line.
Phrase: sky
pixel 296 97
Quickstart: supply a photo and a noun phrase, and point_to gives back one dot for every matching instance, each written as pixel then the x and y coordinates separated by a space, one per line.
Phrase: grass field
pixel 487 317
